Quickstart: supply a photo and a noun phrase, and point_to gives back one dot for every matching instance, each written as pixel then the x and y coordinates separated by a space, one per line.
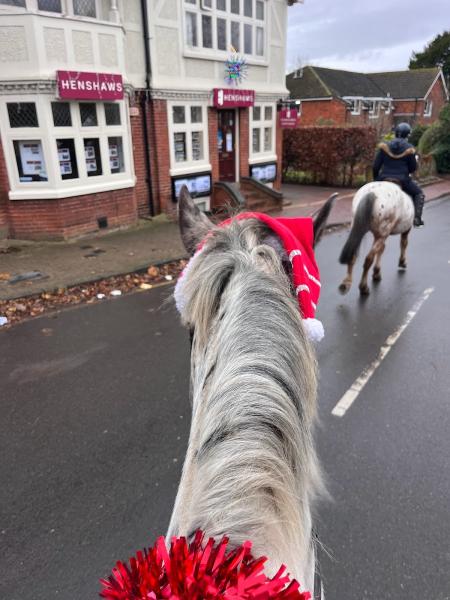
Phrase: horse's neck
pixel 250 464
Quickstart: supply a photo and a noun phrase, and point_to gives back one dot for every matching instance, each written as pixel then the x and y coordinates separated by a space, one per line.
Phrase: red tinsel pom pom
pixel 198 571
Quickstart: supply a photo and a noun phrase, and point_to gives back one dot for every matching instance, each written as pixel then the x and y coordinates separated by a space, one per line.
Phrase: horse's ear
pixel 321 218
pixel 194 225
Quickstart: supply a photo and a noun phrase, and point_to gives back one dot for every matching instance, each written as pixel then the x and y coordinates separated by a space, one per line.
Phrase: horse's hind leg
pixel 377 248
pixel 403 246
pixel 376 274
pixel 347 281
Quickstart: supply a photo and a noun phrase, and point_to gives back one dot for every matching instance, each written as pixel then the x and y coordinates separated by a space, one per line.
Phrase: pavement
pixel 28 268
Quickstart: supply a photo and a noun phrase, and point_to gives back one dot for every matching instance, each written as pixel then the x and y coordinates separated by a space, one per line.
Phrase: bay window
pixel 224 23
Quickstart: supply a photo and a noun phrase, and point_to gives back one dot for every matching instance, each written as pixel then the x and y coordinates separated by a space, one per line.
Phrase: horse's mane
pixel 252 466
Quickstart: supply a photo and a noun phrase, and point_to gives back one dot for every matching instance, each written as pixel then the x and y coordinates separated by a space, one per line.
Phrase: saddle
pixel 394 180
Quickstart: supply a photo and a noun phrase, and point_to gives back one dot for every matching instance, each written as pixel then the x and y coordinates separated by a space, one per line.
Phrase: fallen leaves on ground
pixel 31 306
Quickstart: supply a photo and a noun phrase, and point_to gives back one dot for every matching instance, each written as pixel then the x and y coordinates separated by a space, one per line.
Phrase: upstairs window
pixel 428 108
pixel 19 3
pixel 220 24
pixel 84 8
pixel 50 5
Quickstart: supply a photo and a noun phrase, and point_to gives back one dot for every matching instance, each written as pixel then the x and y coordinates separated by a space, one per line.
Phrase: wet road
pixel 95 415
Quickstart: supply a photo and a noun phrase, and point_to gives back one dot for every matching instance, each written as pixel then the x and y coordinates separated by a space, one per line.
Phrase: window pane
pixel 248 39
pixel 20 3
pixel 30 160
pixel 221 34
pixel 191 29
pixel 88 114
pixel 84 8
pixel 256 144
pixel 191 1
pixel 235 35
pixel 221 5
pixel 22 114
pixel 178 114
pixel 50 5
pixel 260 10
pixel 196 114
pixel 235 6
pixel 116 161
pixel 268 113
pixel 256 113
pixel 260 41
pixel 267 139
pixel 180 146
pixel 92 157
pixel 248 8
pixel 207 31
pixel 61 114
pixel 197 145
pixel 68 167
pixel 112 113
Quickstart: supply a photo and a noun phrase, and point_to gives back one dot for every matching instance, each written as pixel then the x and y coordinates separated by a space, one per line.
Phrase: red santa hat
pixel 297 237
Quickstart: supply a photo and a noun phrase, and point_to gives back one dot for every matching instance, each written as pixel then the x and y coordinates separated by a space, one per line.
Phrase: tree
pixel 435 54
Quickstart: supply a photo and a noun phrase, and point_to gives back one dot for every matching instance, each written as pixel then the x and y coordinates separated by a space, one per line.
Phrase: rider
pixel 397 160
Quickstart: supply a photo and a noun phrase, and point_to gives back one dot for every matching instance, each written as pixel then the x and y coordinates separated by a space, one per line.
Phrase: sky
pixel 362 35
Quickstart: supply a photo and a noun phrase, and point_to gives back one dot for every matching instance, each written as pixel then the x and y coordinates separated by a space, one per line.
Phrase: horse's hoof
pixel 402 264
pixel 344 288
pixel 376 276
pixel 364 290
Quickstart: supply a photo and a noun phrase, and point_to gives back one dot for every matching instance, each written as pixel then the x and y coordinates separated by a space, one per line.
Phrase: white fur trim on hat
pixel 314 329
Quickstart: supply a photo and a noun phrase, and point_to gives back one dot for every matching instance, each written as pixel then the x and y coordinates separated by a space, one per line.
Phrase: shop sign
pixel 78 85
pixel 198 185
pixel 233 98
pixel 288 118
pixel 264 173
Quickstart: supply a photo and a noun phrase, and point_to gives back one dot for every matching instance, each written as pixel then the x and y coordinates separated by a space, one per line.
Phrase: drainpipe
pixel 145 97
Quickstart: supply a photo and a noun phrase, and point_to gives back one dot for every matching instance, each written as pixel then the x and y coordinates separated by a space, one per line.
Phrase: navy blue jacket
pixel 396 160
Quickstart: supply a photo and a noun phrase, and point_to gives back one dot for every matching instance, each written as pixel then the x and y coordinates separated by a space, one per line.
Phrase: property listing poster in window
pixel 67 158
pixel 65 164
pixel 91 163
pixel 32 159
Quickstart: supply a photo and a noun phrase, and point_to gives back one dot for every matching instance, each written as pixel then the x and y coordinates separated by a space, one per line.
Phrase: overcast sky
pixel 358 35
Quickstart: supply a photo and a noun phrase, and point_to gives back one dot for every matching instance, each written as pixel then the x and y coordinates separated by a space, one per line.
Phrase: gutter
pixel 145 97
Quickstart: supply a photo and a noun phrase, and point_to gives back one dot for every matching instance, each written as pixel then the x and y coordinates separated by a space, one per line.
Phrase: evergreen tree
pixel 435 54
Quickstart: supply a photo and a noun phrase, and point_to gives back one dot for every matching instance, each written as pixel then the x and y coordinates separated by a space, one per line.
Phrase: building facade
pixel 344 98
pixel 108 106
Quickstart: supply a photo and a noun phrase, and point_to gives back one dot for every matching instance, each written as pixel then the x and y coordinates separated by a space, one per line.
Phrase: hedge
pixel 331 154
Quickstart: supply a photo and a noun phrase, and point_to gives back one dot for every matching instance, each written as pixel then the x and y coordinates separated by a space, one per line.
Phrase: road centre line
pixel 355 389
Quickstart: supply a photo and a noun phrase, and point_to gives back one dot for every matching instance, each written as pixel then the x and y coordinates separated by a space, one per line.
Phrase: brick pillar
pixel 279 153
pixel 162 190
pixel 213 151
pixel 138 141
pixel 4 200
pixel 243 142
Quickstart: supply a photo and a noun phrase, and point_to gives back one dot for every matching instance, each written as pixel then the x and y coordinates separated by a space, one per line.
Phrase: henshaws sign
pixel 78 85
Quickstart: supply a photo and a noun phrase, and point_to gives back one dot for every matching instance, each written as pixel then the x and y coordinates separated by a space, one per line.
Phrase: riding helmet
pixel 402 130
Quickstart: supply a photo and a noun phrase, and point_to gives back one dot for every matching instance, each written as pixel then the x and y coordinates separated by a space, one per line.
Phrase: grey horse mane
pixel 251 471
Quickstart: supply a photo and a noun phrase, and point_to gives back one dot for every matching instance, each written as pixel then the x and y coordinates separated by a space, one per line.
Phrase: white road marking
pixel 354 390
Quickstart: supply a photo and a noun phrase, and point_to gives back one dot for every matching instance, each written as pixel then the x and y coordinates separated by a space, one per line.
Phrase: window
pixel 428 108
pixel 355 107
pixel 189 142
pixel 22 114
pixel 92 157
pixel 20 3
pixel 374 109
pixel 224 23
pixel 88 114
pixel 67 158
pixel 61 114
pixel 84 8
pixel 30 160
pixel 50 5
pixel 112 113
pixel 262 128
pixel 116 161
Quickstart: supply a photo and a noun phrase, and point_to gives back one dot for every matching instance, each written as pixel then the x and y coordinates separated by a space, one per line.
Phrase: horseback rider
pixel 396 161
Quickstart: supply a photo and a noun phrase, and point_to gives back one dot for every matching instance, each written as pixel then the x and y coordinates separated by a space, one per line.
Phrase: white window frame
pixel 189 165
pixel 428 108
pixel 262 155
pixel 67 10
pixel 47 134
pixel 214 53
pixel 374 110
pixel 356 106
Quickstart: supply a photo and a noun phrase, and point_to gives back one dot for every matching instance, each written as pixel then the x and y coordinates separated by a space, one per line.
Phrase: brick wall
pixel 212 134
pixel 4 188
pixel 140 169
pixel 316 111
pixel 244 169
pixel 160 156
pixel 279 153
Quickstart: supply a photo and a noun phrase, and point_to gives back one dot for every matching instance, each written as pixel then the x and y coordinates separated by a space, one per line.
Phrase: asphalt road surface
pixel 95 416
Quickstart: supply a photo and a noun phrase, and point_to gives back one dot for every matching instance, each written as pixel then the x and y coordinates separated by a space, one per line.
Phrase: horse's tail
pixel 360 226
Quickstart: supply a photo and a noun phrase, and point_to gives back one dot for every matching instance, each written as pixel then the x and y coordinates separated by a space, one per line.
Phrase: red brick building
pixel 343 98
pixel 78 154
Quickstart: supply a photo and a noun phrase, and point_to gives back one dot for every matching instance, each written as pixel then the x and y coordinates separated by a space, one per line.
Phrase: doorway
pixel 226 144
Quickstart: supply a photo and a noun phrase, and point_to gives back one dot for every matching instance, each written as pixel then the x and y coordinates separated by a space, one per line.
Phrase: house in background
pixel 107 107
pixel 380 100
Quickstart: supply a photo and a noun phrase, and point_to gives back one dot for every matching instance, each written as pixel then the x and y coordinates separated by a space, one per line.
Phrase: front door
pixel 226 143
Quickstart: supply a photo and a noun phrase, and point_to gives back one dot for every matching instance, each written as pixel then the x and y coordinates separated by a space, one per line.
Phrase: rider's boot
pixel 419 200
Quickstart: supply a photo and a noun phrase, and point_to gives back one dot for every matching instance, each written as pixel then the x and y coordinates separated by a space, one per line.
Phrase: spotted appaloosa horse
pixel 251 471
pixel 384 209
